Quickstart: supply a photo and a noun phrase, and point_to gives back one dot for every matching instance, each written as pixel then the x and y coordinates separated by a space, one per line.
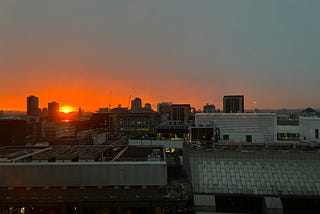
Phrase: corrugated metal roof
pixel 256 174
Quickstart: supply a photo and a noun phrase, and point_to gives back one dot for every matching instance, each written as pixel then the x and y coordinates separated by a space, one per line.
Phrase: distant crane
pixel 129 99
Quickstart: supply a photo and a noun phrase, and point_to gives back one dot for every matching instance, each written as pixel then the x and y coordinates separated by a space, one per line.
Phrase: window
pixel 225 137
pixel 288 136
pixel 249 138
pixel 316 133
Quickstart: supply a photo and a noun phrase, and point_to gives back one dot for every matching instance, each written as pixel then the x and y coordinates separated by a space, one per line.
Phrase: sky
pixel 94 54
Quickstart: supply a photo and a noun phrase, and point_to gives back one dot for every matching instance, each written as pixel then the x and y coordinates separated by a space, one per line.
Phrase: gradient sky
pixel 79 52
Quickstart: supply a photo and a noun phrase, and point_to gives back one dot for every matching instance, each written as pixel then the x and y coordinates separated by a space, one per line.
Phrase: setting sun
pixel 67 109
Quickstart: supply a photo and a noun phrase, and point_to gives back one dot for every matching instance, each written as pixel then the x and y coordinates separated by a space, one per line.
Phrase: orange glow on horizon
pixel 67 109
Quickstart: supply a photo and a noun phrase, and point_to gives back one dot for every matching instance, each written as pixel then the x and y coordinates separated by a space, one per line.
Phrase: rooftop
pixel 80 153
pixel 297 146
pixel 256 169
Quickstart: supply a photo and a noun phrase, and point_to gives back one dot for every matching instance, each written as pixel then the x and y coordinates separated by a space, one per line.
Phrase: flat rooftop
pixel 80 153
pixel 296 146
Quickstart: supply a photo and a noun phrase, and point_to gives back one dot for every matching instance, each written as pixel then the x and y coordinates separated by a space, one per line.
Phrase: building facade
pixel 126 121
pixel 13 132
pixel 88 179
pixel 33 106
pixel 53 111
pixel 309 129
pixel 209 108
pixel 136 104
pixel 233 104
pixel 241 127
pixel 178 114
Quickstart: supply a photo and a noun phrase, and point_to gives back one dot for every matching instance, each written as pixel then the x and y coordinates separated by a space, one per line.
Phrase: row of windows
pixel 295 136
pixel 248 138
pixel 280 136
pixel 288 136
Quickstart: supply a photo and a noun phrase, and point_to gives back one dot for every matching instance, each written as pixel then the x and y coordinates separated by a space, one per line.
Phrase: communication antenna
pixel 110 99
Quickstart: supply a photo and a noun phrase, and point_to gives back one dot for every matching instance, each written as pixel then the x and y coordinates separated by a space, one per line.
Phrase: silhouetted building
pixel 13 132
pixel 82 125
pixel 33 106
pixel 175 120
pixel 233 104
pixel 32 126
pixel 53 110
pixel 121 120
pixel 309 112
pixel 164 109
pixel 174 114
pixel 136 104
pixel 44 113
pixel 147 106
pixel 103 120
pixel 209 108
pixel 181 112
pixel 55 130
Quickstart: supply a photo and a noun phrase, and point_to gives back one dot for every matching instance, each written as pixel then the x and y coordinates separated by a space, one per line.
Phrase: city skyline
pixel 66 109
pixel 96 54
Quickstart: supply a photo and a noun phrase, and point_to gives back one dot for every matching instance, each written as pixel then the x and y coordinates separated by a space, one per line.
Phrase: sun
pixel 67 109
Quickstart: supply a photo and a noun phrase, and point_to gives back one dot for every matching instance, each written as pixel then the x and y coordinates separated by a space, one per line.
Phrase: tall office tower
pixel 233 104
pixel 32 106
pixel 136 104
pixel 209 108
pixel 53 110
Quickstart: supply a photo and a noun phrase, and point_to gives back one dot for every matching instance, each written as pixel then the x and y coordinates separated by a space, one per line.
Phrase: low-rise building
pixel 13 132
pixel 121 120
pixel 309 128
pixel 88 179
pixel 241 127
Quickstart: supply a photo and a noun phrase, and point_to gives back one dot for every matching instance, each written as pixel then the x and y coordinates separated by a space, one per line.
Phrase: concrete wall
pixel 83 174
pixel 308 126
pixel 261 126
pixel 288 129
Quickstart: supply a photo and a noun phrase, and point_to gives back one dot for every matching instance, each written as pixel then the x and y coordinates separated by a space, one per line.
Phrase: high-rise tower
pixel 53 110
pixel 33 106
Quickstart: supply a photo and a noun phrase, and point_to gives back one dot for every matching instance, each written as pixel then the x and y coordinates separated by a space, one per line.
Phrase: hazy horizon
pixel 90 53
